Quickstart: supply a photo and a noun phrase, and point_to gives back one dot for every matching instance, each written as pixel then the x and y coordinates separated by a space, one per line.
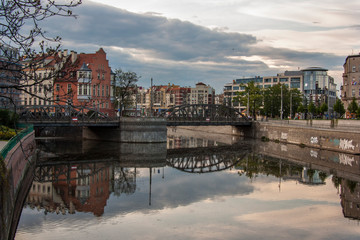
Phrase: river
pixel 192 187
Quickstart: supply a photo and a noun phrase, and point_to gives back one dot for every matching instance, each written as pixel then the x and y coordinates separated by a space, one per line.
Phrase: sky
pixel 184 42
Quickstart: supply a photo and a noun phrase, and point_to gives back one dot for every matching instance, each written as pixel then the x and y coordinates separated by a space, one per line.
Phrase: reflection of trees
pixel 124 181
pixel 255 164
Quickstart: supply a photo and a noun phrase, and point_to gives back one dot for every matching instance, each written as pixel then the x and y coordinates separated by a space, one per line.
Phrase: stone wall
pixel 344 140
pixel 132 130
pixel 19 164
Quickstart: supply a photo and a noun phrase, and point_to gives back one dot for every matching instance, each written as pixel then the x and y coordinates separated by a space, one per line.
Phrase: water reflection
pixel 146 181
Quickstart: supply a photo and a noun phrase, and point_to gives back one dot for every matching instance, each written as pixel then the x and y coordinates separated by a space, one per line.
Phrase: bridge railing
pixel 15 140
pixel 63 114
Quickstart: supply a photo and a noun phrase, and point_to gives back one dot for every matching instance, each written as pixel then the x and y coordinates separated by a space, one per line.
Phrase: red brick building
pixel 85 80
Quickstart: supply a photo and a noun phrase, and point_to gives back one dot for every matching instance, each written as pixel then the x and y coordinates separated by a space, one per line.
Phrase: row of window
pixel 36 101
pixel 39 88
pixel 85 89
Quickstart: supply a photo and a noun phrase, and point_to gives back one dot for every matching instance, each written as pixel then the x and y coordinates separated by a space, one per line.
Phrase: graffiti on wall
pixel 284 136
pixel 346 144
pixel 314 140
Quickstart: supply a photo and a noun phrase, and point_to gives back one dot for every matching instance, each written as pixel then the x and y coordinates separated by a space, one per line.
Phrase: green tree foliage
pixel 353 106
pixel 252 96
pixel 323 108
pixel 312 109
pixel 301 108
pixel 272 100
pixel 339 107
pixel 126 88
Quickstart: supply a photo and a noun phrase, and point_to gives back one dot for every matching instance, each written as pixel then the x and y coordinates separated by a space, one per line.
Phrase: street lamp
pixel 281 110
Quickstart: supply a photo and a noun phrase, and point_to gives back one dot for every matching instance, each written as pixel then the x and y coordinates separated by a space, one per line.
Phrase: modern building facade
pixel 314 83
pixel 351 80
pixel 319 87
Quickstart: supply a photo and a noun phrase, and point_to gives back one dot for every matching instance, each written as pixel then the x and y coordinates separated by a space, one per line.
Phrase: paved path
pixel 2 144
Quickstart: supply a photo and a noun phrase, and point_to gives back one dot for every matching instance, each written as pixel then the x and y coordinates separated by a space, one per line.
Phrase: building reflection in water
pixel 74 188
pixel 85 187
pixel 350 198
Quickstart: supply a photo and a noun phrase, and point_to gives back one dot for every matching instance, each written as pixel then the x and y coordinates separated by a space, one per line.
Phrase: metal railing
pixel 14 140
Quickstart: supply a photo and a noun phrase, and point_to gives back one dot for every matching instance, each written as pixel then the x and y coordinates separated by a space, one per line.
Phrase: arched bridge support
pixel 131 130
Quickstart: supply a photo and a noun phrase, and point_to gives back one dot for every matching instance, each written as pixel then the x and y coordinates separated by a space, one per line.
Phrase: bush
pixel 6 133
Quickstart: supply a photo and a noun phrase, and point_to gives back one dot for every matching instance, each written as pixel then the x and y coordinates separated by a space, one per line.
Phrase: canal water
pixel 192 187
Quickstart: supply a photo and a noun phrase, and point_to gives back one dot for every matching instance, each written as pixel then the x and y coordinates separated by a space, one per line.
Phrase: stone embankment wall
pixel 18 162
pixel 340 135
pixel 132 130
pixel 344 139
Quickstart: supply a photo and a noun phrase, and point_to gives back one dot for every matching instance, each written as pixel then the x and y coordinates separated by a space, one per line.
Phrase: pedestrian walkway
pixel 2 144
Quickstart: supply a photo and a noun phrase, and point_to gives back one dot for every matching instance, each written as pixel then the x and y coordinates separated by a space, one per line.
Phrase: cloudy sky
pixel 213 41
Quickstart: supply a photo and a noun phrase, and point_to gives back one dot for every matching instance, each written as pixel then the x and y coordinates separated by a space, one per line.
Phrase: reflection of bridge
pixel 190 115
pixel 197 160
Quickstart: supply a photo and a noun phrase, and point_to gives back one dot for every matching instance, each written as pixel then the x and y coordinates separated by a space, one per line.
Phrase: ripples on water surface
pixel 236 192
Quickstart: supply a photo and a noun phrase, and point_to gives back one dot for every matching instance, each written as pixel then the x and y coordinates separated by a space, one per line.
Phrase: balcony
pixel 84 80
pixel 84 97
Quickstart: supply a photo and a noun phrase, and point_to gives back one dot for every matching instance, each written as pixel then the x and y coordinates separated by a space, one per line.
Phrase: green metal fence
pixel 14 140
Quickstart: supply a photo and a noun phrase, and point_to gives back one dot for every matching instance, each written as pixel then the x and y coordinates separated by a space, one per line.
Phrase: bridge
pixel 182 115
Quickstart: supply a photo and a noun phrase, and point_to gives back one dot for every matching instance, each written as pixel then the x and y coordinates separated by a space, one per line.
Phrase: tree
pixel 353 106
pixel 323 108
pixel 252 96
pixel 272 100
pixel 20 30
pixel 125 88
pixel 312 109
pixel 339 107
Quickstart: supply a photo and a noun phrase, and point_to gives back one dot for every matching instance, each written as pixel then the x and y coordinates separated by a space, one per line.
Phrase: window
pixel 267 80
pixel 283 79
pixel 69 88
pixel 40 88
pixel 80 92
pixel 275 79
pixel 103 76
pixel 58 87
pixel 102 90
pixel 98 75
pixel 98 90
pixel 353 92
pixel 94 90
pixel 85 89
pixel 57 98
pixel 353 69
pixel 25 101
pixel 107 91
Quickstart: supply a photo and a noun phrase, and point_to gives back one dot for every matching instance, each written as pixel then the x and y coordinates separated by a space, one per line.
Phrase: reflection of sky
pixel 219 205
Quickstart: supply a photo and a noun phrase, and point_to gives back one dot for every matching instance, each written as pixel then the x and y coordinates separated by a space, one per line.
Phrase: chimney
pixel 65 53
pixel 60 54
pixel 73 56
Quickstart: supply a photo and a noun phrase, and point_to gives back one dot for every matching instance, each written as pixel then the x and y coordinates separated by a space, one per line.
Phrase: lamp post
pixel 281 109
pixel 290 104
pixel 248 104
